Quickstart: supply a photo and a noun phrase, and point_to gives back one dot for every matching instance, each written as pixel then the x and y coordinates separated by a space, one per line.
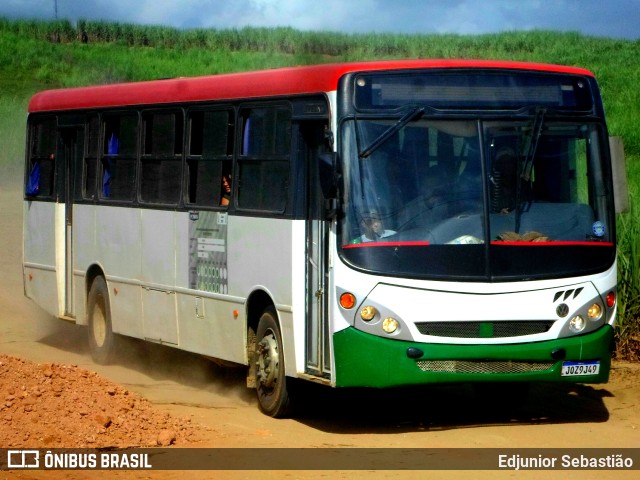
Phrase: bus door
pixel 318 359
pixel 70 152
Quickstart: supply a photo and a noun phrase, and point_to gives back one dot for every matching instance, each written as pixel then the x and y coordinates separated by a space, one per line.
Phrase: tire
pixel 271 382
pixel 101 336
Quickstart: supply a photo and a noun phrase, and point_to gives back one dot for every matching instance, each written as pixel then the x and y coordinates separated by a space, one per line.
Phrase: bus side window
pixel 40 181
pixel 161 160
pixel 209 157
pixel 89 171
pixel 119 154
pixel 264 165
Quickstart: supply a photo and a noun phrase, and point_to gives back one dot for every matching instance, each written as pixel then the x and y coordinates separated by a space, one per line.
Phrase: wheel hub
pixel 99 326
pixel 268 361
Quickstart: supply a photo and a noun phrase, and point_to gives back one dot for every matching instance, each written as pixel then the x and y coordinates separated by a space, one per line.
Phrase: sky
pixel 602 18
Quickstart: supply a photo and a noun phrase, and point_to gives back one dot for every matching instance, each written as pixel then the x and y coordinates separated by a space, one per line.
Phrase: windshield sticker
pixel 598 229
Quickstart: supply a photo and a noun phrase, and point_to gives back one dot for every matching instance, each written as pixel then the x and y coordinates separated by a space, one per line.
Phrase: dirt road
pixel 188 386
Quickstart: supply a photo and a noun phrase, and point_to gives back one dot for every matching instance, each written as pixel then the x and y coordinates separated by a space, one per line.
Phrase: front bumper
pixel 365 360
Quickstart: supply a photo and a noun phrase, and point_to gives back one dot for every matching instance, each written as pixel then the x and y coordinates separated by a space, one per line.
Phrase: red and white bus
pixel 360 224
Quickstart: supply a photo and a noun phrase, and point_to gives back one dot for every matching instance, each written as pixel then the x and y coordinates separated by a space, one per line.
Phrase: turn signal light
pixel 347 300
pixel 611 299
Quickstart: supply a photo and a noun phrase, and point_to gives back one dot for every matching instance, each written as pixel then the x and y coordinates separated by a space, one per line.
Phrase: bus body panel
pixel 118 245
pixel 422 310
pixel 207 326
pixel 160 253
pixel 364 360
pixel 260 259
pixel 40 255
pixel 158 275
pixel 260 255
pixel 295 340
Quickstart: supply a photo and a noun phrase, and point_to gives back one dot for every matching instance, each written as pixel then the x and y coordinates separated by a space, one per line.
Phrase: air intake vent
pixel 481 366
pixel 484 329
pixel 565 294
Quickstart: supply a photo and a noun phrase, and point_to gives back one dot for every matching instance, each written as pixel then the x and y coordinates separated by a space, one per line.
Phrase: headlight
pixel 595 312
pixel 368 313
pixel 390 325
pixel 577 324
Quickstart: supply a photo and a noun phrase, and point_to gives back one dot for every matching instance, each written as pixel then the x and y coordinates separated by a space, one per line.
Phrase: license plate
pixel 576 369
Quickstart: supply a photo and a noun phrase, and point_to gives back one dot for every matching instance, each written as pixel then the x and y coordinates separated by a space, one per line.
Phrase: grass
pixel 37 54
pixel 12 138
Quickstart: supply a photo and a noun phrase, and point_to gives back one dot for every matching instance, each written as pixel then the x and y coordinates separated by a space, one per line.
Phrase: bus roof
pixel 247 85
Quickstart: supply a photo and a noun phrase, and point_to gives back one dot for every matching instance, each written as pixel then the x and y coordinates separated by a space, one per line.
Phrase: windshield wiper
pixel 536 132
pixel 529 157
pixel 413 114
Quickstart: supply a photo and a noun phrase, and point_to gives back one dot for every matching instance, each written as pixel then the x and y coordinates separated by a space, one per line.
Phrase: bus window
pixel 119 156
pixel 161 157
pixel 90 171
pixel 41 168
pixel 209 154
pixel 264 160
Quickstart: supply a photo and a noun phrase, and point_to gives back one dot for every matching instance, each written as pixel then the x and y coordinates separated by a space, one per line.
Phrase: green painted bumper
pixel 364 360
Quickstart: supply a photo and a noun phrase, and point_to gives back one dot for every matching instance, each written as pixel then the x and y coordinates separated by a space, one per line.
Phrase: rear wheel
pixel 271 382
pixel 101 337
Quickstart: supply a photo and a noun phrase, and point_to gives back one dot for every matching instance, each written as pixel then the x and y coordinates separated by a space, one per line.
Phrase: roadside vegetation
pixel 35 55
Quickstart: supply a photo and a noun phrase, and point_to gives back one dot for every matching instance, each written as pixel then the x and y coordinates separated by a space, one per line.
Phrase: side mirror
pixel 620 186
pixel 327 174
pixel 328 179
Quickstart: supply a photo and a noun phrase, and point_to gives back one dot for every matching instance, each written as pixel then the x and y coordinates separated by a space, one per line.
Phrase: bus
pixel 373 224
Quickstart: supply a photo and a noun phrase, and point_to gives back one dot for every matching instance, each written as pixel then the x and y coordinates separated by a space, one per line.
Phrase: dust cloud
pixel 155 370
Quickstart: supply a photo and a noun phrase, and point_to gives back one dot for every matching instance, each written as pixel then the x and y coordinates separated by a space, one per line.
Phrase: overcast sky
pixel 608 18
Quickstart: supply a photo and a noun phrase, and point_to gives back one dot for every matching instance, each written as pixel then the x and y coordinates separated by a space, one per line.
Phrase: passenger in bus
pixel 504 181
pixel 226 190
pixel 467 189
pixel 373 228
pixel 436 186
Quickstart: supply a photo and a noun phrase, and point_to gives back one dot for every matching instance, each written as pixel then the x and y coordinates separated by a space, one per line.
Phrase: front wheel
pixel 271 382
pixel 101 336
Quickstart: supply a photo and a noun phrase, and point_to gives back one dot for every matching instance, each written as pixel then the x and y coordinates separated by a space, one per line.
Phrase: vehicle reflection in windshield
pixel 426 186
pixel 428 174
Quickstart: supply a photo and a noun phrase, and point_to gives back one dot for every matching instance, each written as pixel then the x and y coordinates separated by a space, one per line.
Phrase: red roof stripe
pixel 265 83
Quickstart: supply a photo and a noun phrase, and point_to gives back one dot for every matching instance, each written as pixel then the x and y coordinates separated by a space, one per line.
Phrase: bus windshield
pixel 509 198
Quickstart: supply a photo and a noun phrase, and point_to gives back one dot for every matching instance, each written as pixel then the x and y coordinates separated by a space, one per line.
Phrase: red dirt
pixel 55 405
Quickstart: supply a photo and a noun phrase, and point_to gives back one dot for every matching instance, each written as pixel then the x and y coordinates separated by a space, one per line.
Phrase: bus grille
pixel 484 329
pixel 482 366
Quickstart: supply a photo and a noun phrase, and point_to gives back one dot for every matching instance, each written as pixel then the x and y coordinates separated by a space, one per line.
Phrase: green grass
pixel 35 55
pixel 12 139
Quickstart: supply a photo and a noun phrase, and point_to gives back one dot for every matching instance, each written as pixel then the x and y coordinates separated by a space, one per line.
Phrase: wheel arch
pixel 93 271
pixel 257 302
